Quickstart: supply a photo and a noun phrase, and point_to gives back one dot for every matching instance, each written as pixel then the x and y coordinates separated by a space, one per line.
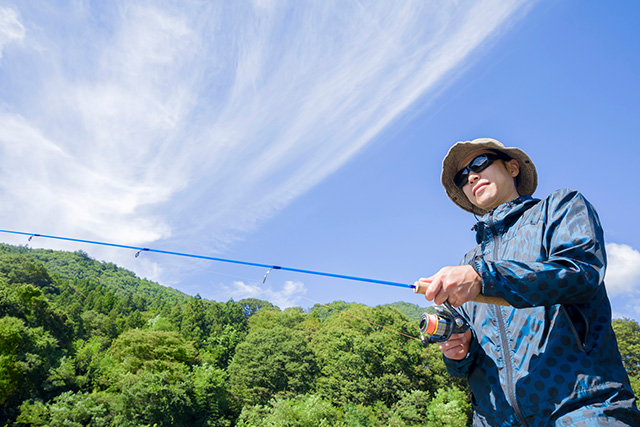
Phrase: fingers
pixel 457 347
pixel 456 340
pixel 434 286
pixel 436 291
pixel 454 284
pixel 441 297
pixel 454 352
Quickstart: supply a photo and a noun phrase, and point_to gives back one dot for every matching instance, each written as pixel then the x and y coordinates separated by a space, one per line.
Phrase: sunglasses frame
pixel 461 178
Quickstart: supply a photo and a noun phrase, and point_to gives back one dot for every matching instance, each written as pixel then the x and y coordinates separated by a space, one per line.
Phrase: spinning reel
pixel 440 326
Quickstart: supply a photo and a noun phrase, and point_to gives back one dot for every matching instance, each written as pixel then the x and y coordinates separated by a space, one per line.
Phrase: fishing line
pixel 182 254
pixel 254 282
pixel 363 319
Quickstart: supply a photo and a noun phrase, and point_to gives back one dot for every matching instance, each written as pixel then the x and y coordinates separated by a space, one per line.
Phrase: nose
pixel 473 177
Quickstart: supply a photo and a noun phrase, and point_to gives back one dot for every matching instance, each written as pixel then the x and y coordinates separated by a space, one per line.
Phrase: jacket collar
pixel 499 219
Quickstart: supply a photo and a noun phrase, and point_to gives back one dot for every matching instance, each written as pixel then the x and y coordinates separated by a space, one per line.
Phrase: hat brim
pixel 526 182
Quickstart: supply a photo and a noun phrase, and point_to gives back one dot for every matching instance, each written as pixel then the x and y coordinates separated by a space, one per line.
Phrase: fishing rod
pixel 210 258
pixel 441 326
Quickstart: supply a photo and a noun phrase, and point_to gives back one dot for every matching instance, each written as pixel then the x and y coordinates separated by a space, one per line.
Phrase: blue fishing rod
pixel 210 258
pixel 440 326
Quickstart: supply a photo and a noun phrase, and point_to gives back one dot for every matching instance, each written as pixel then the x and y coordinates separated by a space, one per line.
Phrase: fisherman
pixel 550 358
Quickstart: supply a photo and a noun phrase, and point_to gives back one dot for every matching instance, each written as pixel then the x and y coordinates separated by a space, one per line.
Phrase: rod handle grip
pixel 421 288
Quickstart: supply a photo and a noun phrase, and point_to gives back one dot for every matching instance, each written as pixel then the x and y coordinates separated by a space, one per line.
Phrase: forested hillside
pixel 85 343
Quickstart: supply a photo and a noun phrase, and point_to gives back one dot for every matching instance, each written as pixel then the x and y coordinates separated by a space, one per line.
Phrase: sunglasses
pixel 478 164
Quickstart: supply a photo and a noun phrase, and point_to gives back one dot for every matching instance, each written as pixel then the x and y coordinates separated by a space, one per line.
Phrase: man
pixel 550 357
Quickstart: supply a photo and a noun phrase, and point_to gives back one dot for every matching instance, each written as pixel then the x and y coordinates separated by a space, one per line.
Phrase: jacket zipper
pixel 506 350
pixel 506 353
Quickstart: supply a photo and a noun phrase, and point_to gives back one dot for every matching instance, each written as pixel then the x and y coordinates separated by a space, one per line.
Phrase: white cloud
pixel 288 296
pixel 46 187
pixel 623 270
pixel 151 122
pixel 11 29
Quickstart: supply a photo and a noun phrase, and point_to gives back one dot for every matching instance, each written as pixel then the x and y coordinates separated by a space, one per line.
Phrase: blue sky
pixel 307 134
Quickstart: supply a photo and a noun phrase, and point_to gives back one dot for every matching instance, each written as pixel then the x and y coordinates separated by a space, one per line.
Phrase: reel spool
pixel 442 325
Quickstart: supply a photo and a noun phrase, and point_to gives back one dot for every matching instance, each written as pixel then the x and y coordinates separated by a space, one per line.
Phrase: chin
pixel 483 202
pixel 486 206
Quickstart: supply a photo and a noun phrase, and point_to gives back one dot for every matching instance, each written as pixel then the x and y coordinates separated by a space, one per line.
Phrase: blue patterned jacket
pixel 552 358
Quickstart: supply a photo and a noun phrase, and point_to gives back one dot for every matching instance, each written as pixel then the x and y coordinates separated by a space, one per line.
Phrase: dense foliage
pixel 85 343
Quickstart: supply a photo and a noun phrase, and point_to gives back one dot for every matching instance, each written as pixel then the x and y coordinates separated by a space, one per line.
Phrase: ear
pixel 513 167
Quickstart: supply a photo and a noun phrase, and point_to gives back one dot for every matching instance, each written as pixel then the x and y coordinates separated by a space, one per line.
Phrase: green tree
pixel 22 268
pixel 411 409
pixel 375 414
pixel 26 355
pixel 439 378
pixel 156 398
pixel 94 324
pixel 211 396
pixel 274 360
pixel 160 323
pixel 251 306
pixel 27 302
pixel 68 409
pixel 635 386
pixel 34 337
pixel 449 408
pixel 350 349
pixel 628 335
pixel 221 345
pixel 140 348
pixel 412 311
pixel 300 411
pixel 87 343
pixel 194 323
pixel 93 363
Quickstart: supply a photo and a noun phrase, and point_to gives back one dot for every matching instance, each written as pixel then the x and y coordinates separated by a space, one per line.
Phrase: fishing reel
pixel 440 326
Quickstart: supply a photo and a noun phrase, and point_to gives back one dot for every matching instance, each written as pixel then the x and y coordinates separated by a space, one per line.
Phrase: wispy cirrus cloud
pixel 11 29
pixel 137 122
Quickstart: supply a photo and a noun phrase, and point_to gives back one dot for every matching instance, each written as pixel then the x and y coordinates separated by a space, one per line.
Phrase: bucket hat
pixel 526 181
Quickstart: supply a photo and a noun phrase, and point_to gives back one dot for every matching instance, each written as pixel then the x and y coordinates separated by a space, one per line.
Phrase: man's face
pixel 494 185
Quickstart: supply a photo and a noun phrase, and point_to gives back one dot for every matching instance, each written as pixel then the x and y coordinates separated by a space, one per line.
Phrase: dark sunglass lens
pixel 461 178
pixel 480 163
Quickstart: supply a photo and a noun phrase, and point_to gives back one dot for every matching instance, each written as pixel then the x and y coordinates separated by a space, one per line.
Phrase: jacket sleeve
pixel 571 264
pixel 462 368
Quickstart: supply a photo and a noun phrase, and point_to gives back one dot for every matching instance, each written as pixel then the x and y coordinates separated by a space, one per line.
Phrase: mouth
pixel 479 187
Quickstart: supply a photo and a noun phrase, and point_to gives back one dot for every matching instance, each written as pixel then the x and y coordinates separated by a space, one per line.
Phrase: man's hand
pixel 454 284
pixel 457 347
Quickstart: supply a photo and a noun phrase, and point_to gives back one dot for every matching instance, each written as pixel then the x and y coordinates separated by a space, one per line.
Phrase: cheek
pixel 467 191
